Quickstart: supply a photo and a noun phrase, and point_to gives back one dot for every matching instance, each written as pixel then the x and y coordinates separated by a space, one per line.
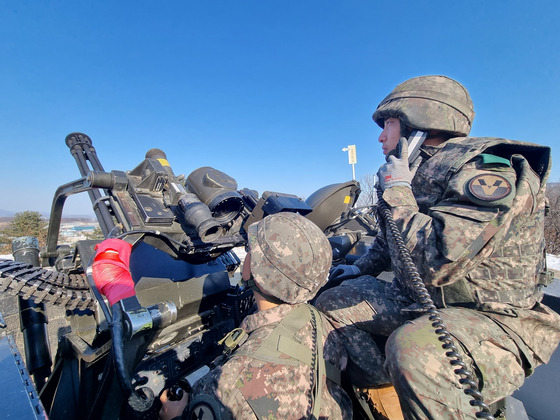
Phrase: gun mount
pixel 184 231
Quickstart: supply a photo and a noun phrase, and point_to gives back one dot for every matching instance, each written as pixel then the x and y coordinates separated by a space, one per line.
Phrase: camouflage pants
pixel 415 362
pixel 361 310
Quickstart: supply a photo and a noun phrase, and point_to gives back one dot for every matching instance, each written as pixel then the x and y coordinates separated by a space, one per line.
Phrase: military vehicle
pixel 186 234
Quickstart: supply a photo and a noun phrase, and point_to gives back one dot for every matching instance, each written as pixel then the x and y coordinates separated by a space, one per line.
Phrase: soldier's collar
pixel 428 151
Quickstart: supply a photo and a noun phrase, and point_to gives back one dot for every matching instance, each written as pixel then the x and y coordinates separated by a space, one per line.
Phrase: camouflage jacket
pixel 282 390
pixel 473 223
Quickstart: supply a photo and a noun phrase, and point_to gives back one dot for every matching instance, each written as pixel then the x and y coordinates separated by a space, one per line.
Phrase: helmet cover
pixel 290 257
pixel 429 103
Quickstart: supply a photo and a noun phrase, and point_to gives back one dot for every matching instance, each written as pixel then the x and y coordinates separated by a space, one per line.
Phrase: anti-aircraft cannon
pixel 185 232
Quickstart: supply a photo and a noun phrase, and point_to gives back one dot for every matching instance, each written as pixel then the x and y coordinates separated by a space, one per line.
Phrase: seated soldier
pixel 471 213
pixel 288 360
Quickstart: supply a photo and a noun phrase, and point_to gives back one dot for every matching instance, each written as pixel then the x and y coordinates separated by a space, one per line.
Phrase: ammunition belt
pixel 68 290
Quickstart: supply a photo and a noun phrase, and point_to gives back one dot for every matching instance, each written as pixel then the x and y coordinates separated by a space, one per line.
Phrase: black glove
pixel 343 272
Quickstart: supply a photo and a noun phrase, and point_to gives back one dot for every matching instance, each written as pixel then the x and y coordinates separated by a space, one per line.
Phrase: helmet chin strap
pixel 250 283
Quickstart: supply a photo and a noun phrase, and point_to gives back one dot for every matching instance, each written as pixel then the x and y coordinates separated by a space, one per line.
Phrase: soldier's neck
pixel 434 141
pixel 262 303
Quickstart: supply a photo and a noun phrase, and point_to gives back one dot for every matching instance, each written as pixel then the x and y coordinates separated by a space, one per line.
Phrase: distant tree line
pixel 27 223
pixel 368 192
pixel 552 220
pixel 31 223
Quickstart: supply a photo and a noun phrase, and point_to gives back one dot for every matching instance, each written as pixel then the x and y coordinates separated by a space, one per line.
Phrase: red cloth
pixel 111 272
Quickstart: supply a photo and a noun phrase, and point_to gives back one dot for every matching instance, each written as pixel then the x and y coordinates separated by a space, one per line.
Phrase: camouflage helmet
pixel 429 103
pixel 290 257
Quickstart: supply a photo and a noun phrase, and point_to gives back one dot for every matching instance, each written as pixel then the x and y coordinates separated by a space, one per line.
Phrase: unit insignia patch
pixel 489 187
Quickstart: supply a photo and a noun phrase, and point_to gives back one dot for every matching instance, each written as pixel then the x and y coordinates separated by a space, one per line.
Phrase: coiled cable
pixel 314 376
pixel 424 298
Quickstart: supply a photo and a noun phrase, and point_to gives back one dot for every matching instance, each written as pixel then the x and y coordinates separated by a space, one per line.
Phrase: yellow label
pixel 346 199
pixel 164 162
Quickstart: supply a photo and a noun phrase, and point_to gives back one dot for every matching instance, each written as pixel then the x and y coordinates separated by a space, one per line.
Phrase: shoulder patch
pixel 489 187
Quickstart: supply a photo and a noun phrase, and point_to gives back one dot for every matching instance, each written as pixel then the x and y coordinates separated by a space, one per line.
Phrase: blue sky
pixel 267 91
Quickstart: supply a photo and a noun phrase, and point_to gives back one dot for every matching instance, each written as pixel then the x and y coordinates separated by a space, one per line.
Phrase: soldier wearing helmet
pixel 471 213
pixel 438 105
pixel 285 360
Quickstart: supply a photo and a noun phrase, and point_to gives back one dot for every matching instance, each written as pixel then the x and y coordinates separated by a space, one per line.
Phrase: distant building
pixel 72 232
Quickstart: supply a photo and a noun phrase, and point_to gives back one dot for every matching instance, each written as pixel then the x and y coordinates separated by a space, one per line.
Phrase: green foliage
pixel 552 220
pixel 5 244
pixel 96 234
pixel 27 223
pixel 368 193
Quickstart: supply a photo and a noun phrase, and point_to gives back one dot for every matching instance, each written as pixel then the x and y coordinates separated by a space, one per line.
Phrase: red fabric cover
pixel 111 272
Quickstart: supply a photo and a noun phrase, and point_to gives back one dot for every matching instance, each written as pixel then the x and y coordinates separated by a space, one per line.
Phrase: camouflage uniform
pixel 289 366
pixel 244 381
pixel 474 227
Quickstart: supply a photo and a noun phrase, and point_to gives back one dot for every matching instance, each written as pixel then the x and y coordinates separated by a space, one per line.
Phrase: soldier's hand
pixel 343 272
pixel 396 171
pixel 172 409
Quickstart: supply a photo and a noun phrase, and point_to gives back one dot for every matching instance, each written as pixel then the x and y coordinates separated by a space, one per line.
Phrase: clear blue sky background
pixel 267 91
